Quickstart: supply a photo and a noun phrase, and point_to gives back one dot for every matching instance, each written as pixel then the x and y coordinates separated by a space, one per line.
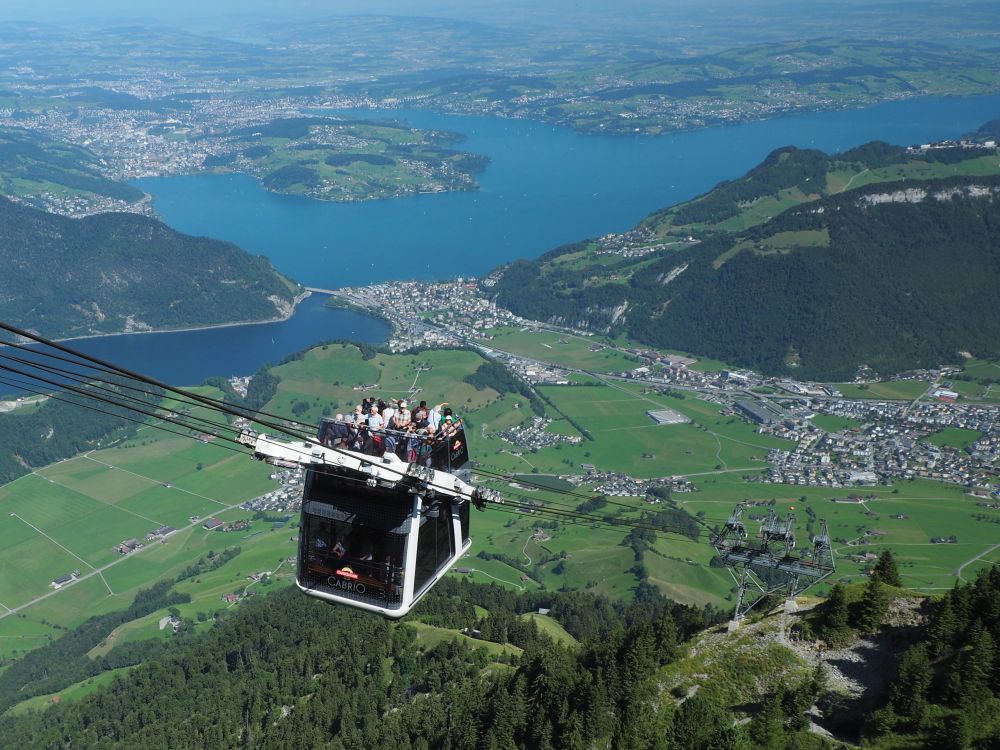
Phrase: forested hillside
pixel 46 173
pixel 286 671
pixel 289 672
pixel 39 434
pixel 895 275
pixel 121 272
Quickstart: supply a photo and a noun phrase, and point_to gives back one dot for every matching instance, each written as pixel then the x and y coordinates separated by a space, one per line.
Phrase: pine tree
pixel 885 569
pixel 795 703
pixel 834 627
pixel 767 729
pixel 976 665
pixel 666 638
pixel 872 609
pixel 908 693
pixel 943 628
pixel 697 723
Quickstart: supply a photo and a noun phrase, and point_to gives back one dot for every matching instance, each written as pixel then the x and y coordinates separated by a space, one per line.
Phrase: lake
pixel 545 186
pixel 188 357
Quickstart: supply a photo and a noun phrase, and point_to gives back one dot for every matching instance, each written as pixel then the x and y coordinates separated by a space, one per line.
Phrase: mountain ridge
pixel 120 273
pixel 890 273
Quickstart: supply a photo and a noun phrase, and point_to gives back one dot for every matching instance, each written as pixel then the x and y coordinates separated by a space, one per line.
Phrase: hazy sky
pixel 188 12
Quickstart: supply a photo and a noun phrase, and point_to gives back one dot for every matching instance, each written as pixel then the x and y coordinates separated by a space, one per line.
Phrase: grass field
pixel 929 509
pixel 954 437
pixel 72 693
pixel 429 636
pixel 69 515
pixel 626 439
pixel 552 629
pixel 563 349
pixel 893 389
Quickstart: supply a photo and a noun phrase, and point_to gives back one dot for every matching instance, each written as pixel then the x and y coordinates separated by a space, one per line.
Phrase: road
pixel 967 563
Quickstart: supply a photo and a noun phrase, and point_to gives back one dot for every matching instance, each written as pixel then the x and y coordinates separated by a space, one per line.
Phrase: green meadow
pixel 69 516
pixel 563 349
pixel 954 437
pixel 906 390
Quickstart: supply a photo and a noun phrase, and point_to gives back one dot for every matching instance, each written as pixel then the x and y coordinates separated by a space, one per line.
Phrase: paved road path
pixel 963 566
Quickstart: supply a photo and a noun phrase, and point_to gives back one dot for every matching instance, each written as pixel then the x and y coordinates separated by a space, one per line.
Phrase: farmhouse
pixel 128 546
pixel 212 524
pixel 65 578
pixel 159 533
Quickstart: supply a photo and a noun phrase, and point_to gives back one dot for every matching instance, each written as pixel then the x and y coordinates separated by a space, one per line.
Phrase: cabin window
pixel 353 539
pixel 353 561
pixel 435 543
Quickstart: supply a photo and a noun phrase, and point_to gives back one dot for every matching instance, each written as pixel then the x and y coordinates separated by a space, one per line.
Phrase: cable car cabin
pixel 377 532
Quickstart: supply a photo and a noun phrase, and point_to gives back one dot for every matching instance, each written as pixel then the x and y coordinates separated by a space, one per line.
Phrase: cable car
pixel 377 532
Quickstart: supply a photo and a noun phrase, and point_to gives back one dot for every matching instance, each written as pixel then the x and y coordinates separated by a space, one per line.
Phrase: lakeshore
pixel 188 357
pixel 286 315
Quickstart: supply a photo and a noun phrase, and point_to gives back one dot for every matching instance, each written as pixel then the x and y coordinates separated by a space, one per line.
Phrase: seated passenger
pixel 343 543
pixel 321 536
pixel 366 551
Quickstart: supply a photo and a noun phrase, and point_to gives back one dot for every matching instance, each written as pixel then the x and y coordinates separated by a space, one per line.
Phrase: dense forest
pixel 289 672
pixel 850 279
pixel 111 272
pixel 285 671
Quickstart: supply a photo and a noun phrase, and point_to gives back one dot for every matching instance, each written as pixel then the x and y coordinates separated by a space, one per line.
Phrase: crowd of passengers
pixel 377 427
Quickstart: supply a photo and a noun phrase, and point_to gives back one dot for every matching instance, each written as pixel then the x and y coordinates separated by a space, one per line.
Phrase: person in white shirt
pixel 374 420
pixel 387 415
pixel 435 415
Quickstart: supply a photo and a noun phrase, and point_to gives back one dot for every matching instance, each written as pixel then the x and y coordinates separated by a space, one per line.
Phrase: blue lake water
pixel 188 357
pixel 545 186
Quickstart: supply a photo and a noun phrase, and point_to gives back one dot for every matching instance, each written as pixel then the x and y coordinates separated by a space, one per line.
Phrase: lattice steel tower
pixel 769 563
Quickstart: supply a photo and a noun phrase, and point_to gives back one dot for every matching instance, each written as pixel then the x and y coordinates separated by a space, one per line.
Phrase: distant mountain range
pixel 808 265
pixel 119 272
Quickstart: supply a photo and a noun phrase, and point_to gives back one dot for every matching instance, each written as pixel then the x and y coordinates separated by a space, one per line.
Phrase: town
pixel 886 439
